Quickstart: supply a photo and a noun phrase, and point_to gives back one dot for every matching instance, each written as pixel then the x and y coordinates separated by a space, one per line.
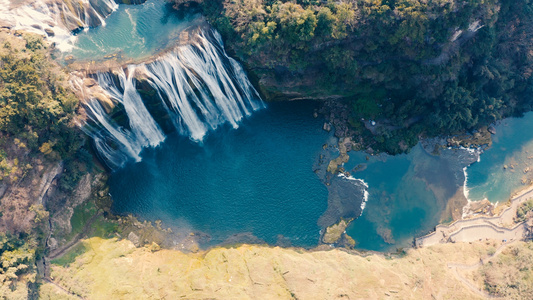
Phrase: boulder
pixel 132 237
pixel 89 82
pixel 49 32
pixel 105 101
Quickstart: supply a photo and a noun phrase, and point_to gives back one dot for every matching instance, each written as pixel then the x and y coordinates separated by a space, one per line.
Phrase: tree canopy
pixel 449 65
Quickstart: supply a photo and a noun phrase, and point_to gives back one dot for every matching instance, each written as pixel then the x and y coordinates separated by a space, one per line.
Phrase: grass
pixel 69 257
pixel 103 228
pixel 82 214
pixel 115 268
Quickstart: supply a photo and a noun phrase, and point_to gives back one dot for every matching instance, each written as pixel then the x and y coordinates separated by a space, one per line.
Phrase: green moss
pixel 69 257
pixel 81 215
pixel 100 227
pixel 104 228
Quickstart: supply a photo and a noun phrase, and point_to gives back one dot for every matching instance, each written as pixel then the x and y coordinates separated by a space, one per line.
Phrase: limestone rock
pixel 49 32
pixel 105 101
pixel 334 232
pixel 89 82
pixel 132 237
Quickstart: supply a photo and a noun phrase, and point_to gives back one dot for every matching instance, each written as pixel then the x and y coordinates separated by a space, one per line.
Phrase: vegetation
pixel 109 268
pixel 524 211
pixel 19 251
pixel 37 113
pixel 34 105
pixel 423 67
pixel 37 130
pixel 71 255
pixel 510 274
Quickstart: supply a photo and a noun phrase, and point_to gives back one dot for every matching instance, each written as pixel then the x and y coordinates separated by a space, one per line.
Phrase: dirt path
pixel 60 251
pixel 62 288
pixel 464 267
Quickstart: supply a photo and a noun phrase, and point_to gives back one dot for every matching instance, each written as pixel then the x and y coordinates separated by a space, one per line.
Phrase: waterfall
pixel 142 125
pixel 198 86
pixel 55 19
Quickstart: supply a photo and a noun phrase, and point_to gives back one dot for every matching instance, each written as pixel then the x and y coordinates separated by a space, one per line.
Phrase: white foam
pixel 466 192
pixel 477 152
pixel 38 16
pixel 363 204
pixel 197 86
pixel 342 175
pixel 365 192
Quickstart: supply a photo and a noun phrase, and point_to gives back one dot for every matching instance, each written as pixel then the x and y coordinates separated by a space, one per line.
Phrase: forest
pixel 38 128
pixel 422 68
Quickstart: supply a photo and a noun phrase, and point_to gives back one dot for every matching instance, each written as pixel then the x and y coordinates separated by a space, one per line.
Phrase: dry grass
pixel 112 269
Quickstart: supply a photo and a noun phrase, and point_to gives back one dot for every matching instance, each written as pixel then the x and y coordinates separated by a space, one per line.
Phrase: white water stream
pixel 199 86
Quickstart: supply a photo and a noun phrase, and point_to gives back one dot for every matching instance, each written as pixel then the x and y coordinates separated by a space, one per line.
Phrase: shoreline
pixel 482 226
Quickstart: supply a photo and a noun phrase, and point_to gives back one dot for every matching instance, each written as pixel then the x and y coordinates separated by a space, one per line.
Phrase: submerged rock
pixel 346 200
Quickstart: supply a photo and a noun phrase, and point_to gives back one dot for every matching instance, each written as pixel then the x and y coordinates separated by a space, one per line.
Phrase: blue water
pixel 400 204
pixel 408 193
pixel 258 178
pixel 512 147
pixel 133 32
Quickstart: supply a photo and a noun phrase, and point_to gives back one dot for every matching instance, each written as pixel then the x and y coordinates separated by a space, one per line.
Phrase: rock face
pixel 132 237
pixel 19 197
pixel 87 89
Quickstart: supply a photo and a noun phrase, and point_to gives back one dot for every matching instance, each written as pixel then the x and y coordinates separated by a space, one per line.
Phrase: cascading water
pixel 55 19
pixel 198 86
pixel 224 94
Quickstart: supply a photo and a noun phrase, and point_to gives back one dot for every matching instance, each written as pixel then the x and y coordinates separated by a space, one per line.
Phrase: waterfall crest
pixel 197 86
pixel 55 19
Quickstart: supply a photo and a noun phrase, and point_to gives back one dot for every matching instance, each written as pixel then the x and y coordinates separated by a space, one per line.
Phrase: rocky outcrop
pixel 21 195
pixel 87 88
pixel 334 232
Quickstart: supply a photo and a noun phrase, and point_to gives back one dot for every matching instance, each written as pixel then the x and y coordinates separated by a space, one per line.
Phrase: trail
pixel 469 230
pixel 61 251
pixel 469 284
pixel 62 288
